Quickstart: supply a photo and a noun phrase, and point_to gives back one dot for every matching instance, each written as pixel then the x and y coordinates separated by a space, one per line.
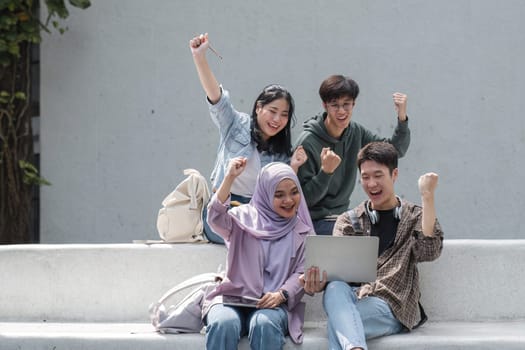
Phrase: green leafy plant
pixel 20 29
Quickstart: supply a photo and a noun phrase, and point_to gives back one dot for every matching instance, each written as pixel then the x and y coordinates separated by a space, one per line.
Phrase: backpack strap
pixel 190 282
pixel 192 187
pixel 198 188
pixel 157 310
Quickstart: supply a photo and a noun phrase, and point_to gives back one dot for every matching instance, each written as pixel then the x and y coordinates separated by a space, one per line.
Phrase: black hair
pixel 337 86
pixel 281 143
pixel 381 152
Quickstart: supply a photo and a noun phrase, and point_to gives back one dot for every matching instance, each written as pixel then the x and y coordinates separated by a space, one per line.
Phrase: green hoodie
pixel 329 194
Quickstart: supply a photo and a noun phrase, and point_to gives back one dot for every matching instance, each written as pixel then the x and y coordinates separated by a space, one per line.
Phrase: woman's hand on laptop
pixel 271 300
pixel 312 282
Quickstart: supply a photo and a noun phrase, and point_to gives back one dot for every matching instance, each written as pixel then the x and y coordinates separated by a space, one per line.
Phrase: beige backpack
pixel 180 218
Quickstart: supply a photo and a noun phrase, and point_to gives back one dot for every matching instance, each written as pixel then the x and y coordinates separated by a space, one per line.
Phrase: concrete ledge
pixel 95 282
pixel 131 336
pixel 472 280
pixel 96 296
pixel 475 280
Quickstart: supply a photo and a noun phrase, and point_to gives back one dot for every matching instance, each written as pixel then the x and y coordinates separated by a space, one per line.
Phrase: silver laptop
pixel 239 301
pixel 344 258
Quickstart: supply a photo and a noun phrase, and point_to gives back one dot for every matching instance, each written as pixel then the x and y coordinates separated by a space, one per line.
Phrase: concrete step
pixel 135 336
pixel 96 296
pixel 117 282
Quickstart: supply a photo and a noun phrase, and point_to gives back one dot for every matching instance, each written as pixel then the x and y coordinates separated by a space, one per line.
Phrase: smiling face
pixel 272 117
pixel 339 113
pixel 286 198
pixel 378 184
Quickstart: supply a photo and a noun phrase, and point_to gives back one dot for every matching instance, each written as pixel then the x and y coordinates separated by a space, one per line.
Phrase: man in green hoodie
pixel 331 142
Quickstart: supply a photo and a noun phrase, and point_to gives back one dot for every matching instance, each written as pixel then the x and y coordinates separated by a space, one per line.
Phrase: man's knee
pixel 338 289
pixel 338 295
pixel 324 227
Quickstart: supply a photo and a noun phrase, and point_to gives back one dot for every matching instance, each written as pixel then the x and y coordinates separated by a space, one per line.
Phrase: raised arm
pixel 316 173
pixel 429 244
pixel 299 157
pixel 400 104
pixel 401 137
pixel 199 46
pixel 427 185
pixel 235 168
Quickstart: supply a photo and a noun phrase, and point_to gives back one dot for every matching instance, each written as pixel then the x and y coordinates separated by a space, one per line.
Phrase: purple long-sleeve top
pixel 248 262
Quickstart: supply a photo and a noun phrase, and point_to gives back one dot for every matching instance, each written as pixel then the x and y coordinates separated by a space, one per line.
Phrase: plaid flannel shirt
pixel 397 280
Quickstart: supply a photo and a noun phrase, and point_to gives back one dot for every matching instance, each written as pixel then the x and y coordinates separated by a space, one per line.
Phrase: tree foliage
pixel 20 29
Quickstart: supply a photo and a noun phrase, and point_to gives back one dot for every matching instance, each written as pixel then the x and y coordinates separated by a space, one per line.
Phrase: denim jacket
pixel 235 138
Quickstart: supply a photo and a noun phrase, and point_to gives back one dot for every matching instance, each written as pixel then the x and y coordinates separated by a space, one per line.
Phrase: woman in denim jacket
pixel 262 137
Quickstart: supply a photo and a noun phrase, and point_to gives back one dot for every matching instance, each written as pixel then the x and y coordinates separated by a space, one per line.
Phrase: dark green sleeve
pixel 400 139
pixel 314 181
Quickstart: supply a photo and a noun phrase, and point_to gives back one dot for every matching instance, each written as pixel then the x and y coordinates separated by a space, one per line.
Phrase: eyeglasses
pixel 347 106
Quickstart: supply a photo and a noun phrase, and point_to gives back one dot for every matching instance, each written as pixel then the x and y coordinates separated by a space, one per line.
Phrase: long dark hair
pixel 281 143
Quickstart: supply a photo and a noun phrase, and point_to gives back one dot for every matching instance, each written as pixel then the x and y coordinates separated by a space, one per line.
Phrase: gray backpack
pixel 184 316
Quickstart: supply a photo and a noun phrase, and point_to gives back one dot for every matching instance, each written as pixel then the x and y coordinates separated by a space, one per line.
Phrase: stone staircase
pixel 96 296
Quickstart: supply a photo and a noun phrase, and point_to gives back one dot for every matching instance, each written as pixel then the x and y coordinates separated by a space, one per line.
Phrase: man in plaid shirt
pixel 408 234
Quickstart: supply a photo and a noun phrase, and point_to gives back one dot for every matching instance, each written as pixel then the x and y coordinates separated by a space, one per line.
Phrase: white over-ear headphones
pixel 374 215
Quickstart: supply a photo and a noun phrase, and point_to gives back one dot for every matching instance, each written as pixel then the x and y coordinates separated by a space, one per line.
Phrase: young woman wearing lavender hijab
pixel 265 240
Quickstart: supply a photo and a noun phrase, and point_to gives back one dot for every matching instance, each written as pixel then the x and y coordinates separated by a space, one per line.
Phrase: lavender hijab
pixel 258 217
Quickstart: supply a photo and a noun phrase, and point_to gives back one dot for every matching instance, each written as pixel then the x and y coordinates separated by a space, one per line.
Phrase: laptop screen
pixel 344 258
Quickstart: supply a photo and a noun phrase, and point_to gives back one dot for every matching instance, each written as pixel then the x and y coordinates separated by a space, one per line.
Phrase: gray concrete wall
pixel 123 112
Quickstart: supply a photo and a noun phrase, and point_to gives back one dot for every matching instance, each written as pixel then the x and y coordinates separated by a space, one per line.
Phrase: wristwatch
pixel 284 294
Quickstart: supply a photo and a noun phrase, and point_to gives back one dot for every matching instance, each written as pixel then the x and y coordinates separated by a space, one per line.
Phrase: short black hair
pixel 381 152
pixel 337 86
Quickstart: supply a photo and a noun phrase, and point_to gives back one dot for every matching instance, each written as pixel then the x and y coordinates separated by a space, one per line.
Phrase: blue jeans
pixel 225 325
pixel 324 227
pixel 208 232
pixel 352 321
